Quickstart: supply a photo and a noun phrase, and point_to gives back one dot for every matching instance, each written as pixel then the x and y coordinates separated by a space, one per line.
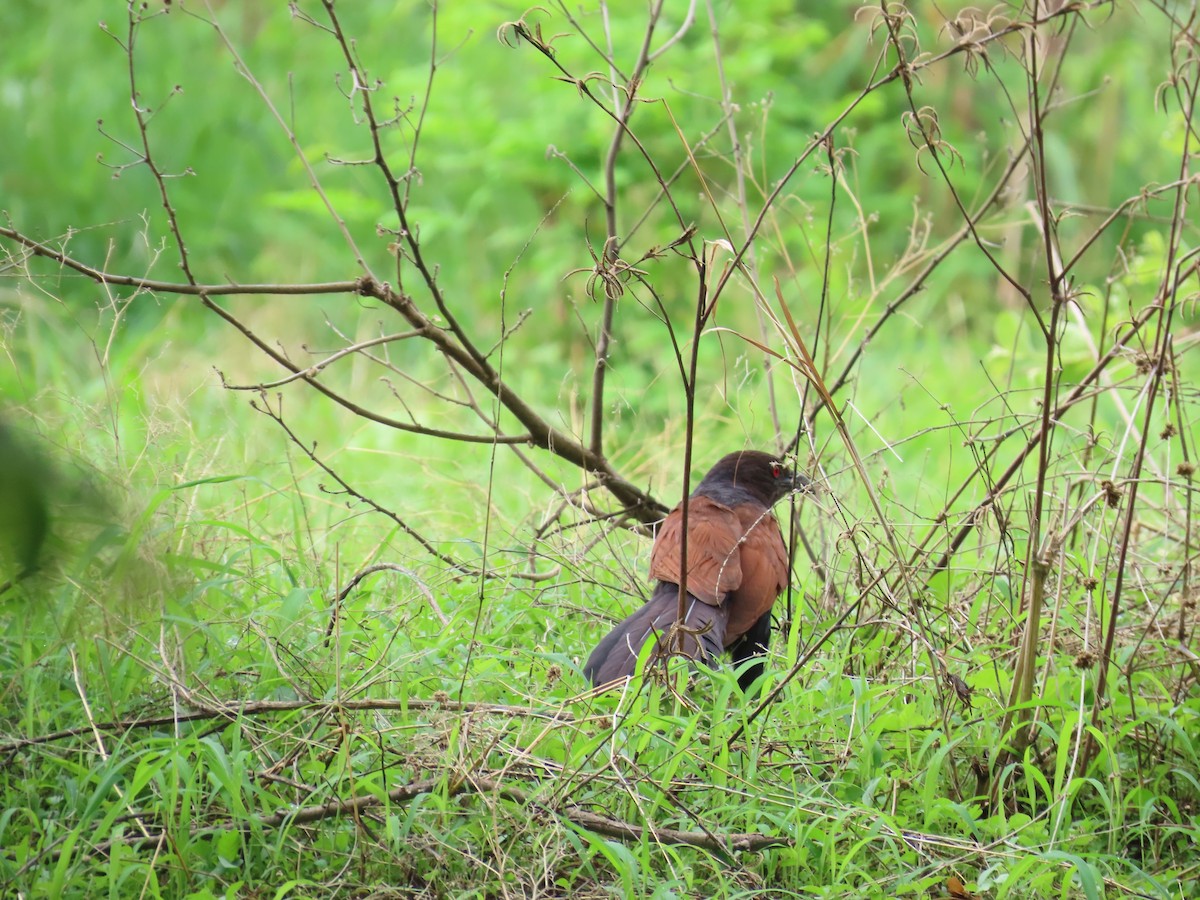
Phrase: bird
pixel 737 566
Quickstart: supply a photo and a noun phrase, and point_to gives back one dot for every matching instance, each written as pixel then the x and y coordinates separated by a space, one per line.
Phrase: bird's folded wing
pixel 714 568
pixel 764 567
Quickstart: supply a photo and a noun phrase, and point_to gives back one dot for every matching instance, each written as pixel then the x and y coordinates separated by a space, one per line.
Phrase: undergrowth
pixel 190 710
pixel 319 633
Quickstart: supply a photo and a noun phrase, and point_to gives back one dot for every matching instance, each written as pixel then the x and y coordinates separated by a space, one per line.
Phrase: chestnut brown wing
pixel 714 566
pixel 764 570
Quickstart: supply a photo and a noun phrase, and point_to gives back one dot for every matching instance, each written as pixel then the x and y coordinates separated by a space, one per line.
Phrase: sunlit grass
pixel 208 576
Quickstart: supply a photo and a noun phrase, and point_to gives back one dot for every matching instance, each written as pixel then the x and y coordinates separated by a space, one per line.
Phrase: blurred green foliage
pixel 484 179
pixel 502 195
pixel 25 482
pixel 508 149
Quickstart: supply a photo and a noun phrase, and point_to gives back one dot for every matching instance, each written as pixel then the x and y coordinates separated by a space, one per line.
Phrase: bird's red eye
pixel 776 469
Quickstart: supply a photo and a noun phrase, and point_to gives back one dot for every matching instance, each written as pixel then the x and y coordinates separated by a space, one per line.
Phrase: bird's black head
pixel 751 474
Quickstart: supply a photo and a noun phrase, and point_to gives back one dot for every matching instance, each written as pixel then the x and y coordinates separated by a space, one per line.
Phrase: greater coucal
pixel 737 565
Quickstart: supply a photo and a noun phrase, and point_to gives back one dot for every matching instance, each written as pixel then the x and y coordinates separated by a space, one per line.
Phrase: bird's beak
pixel 801 484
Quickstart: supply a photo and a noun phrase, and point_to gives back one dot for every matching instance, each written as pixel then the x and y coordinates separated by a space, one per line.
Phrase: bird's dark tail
pixel 616 656
pixel 753 646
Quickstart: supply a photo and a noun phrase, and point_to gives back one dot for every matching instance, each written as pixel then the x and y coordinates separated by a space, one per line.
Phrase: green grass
pixel 202 588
